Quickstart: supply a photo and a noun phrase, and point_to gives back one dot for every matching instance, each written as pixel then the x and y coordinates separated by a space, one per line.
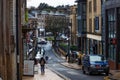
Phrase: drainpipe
pixel 17 38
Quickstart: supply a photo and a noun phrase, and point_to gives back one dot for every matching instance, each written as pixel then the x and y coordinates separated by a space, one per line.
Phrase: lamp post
pixel 68 50
pixel 69 37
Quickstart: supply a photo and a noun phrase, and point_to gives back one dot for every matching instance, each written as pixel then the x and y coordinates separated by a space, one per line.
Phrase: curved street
pixel 54 63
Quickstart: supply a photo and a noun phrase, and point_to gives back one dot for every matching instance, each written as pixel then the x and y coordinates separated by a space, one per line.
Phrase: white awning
pixel 96 37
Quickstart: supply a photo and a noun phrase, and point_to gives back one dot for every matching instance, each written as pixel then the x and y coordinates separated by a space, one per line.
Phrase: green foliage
pixel 73 48
pixel 44 6
pixel 50 38
pixel 63 46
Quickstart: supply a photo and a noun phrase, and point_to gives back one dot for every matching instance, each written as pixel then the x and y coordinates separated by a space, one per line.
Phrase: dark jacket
pixel 42 61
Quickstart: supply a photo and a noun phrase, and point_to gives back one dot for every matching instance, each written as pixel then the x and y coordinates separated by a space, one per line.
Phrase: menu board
pixel 29 67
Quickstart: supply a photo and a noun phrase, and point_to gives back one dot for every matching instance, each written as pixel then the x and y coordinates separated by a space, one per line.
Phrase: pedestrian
pixel 42 64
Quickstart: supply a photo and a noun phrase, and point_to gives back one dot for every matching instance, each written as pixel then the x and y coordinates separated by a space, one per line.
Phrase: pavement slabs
pixel 49 75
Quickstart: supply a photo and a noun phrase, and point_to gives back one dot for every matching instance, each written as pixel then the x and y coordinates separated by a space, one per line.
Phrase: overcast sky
pixel 54 3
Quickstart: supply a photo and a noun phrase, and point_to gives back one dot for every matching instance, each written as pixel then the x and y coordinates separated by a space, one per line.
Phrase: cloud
pixel 50 2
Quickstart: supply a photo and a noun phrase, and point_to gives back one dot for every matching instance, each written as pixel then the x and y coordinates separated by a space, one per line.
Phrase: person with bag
pixel 42 64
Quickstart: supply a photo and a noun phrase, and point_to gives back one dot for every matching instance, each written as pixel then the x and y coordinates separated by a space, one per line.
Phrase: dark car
pixel 42 42
pixel 95 64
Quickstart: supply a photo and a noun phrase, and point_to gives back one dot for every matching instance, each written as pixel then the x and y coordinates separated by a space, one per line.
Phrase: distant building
pixel 52 19
pixel 73 24
pixel 81 25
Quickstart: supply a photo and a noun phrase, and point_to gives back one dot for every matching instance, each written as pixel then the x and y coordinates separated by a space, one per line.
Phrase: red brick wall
pixel 119 66
pixel 112 64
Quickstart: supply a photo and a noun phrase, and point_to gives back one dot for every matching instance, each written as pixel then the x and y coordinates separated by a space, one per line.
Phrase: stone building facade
pixel 73 22
pixel 10 39
pixel 94 40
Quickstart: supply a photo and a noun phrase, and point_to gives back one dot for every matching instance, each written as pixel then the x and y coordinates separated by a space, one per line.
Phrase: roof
pixel 31 16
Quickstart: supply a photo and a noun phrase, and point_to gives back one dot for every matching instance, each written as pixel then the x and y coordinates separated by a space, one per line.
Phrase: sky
pixel 54 3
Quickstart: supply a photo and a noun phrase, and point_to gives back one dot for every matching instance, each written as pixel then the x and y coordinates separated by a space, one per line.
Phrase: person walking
pixel 42 64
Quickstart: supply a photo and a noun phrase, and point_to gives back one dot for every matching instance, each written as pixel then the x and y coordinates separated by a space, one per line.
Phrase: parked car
pixel 42 42
pixel 95 64
pixel 75 54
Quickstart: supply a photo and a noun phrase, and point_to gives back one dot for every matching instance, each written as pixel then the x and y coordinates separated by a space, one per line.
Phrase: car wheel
pixel 89 72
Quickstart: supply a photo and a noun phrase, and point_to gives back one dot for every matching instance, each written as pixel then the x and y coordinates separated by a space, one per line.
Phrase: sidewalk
pixel 71 65
pixel 114 75
pixel 49 75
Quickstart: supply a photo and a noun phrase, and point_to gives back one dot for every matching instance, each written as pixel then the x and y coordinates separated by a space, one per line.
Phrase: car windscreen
pixel 96 58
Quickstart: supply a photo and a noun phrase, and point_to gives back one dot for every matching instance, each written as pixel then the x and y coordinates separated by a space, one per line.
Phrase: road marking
pixel 73 73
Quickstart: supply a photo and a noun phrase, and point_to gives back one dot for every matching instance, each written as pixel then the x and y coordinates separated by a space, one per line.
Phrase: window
pixel 95 6
pixel 90 25
pixel 111 32
pixel 90 6
pixel 84 25
pixel 96 58
pixel 96 22
pixel 84 8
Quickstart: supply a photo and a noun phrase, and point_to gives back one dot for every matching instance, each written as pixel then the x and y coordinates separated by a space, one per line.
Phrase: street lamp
pixel 69 36
pixel 68 54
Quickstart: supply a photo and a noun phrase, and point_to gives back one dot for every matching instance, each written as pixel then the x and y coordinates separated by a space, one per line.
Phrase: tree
pixel 32 8
pixel 56 24
pixel 46 7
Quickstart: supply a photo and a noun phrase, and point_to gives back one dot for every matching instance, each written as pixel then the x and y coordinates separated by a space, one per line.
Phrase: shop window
pixel 111 32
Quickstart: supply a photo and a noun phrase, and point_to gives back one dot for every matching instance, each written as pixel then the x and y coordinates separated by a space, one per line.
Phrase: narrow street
pixel 54 63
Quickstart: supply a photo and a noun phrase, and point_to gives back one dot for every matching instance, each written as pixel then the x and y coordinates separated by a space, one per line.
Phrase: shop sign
pixel 29 67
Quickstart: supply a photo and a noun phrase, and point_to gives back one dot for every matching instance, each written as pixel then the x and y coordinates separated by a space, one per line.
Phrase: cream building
pixel 94 40
pixel 73 24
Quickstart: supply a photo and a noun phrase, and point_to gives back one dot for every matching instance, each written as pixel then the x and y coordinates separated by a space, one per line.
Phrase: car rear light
pixel 97 66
